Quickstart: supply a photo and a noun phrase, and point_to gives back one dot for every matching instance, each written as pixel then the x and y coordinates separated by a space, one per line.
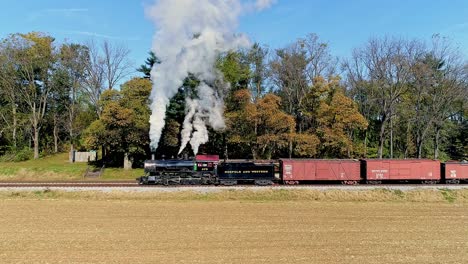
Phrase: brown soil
pixel 150 231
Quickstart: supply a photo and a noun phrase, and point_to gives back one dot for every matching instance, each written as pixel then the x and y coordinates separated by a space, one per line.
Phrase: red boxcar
pixel 454 172
pixel 402 170
pixel 295 171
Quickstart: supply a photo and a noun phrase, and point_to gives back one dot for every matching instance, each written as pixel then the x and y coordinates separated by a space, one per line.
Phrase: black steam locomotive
pixel 206 170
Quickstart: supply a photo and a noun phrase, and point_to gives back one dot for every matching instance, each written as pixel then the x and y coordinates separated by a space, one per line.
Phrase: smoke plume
pixel 190 36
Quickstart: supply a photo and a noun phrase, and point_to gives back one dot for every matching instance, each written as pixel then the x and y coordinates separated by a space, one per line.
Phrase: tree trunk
pixel 36 139
pixel 225 147
pixel 365 144
pixel 381 139
pixel 420 141
pixel 254 145
pixel 290 148
pixel 15 124
pixel 419 150
pixel 436 143
pixel 55 135
pixel 259 88
pixel 254 153
pixel 408 139
pixel 72 147
pixel 128 162
pixel 391 137
pixel 103 153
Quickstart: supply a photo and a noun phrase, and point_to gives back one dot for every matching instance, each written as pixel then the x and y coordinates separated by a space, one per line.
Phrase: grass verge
pixel 378 195
pixel 56 168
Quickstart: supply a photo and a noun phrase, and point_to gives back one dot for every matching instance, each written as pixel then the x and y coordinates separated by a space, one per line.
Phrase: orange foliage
pixel 260 125
pixel 338 116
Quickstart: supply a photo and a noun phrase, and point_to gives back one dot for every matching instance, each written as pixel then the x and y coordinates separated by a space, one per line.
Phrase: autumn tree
pixel 262 126
pixel 338 119
pixel 123 126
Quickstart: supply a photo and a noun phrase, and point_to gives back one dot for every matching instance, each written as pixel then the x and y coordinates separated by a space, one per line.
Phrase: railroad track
pixel 134 184
pixel 88 184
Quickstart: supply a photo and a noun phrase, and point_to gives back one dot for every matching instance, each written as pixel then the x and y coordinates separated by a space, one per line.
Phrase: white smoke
pixel 200 135
pixel 191 105
pixel 190 36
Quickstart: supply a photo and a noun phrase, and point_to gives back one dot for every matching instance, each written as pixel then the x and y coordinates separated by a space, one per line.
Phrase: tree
pixel 149 63
pixel 33 55
pixel 72 60
pixel 258 67
pixel 59 100
pixel 9 82
pixel 262 126
pixel 320 61
pixel 123 126
pixel 384 66
pixel 95 76
pixel 450 91
pixel 337 118
pixel 116 63
pixel 288 73
pixel 107 63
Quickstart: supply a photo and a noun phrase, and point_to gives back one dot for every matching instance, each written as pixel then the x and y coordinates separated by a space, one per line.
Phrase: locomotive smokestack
pixel 152 156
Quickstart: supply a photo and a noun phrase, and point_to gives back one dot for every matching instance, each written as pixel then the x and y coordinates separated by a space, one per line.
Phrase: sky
pixel 344 24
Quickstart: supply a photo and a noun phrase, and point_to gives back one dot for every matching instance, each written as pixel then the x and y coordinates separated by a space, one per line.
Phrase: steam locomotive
pixel 208 170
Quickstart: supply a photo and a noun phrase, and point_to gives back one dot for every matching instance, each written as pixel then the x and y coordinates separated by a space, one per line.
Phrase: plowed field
pixel 139 231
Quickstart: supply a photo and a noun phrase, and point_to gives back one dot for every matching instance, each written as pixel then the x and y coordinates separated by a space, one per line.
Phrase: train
pixel 210 170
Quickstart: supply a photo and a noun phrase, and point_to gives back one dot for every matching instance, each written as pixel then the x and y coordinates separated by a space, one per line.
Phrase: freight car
pixel 455 172
pixel 376 171
pixel 207 169
pixel 295 171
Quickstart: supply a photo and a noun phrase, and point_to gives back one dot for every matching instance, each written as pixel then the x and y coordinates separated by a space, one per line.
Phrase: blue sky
pixel 345 24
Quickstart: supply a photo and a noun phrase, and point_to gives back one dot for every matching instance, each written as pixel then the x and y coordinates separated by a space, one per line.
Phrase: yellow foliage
pixel 305 145
pixel 259 125
pixel 337 117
